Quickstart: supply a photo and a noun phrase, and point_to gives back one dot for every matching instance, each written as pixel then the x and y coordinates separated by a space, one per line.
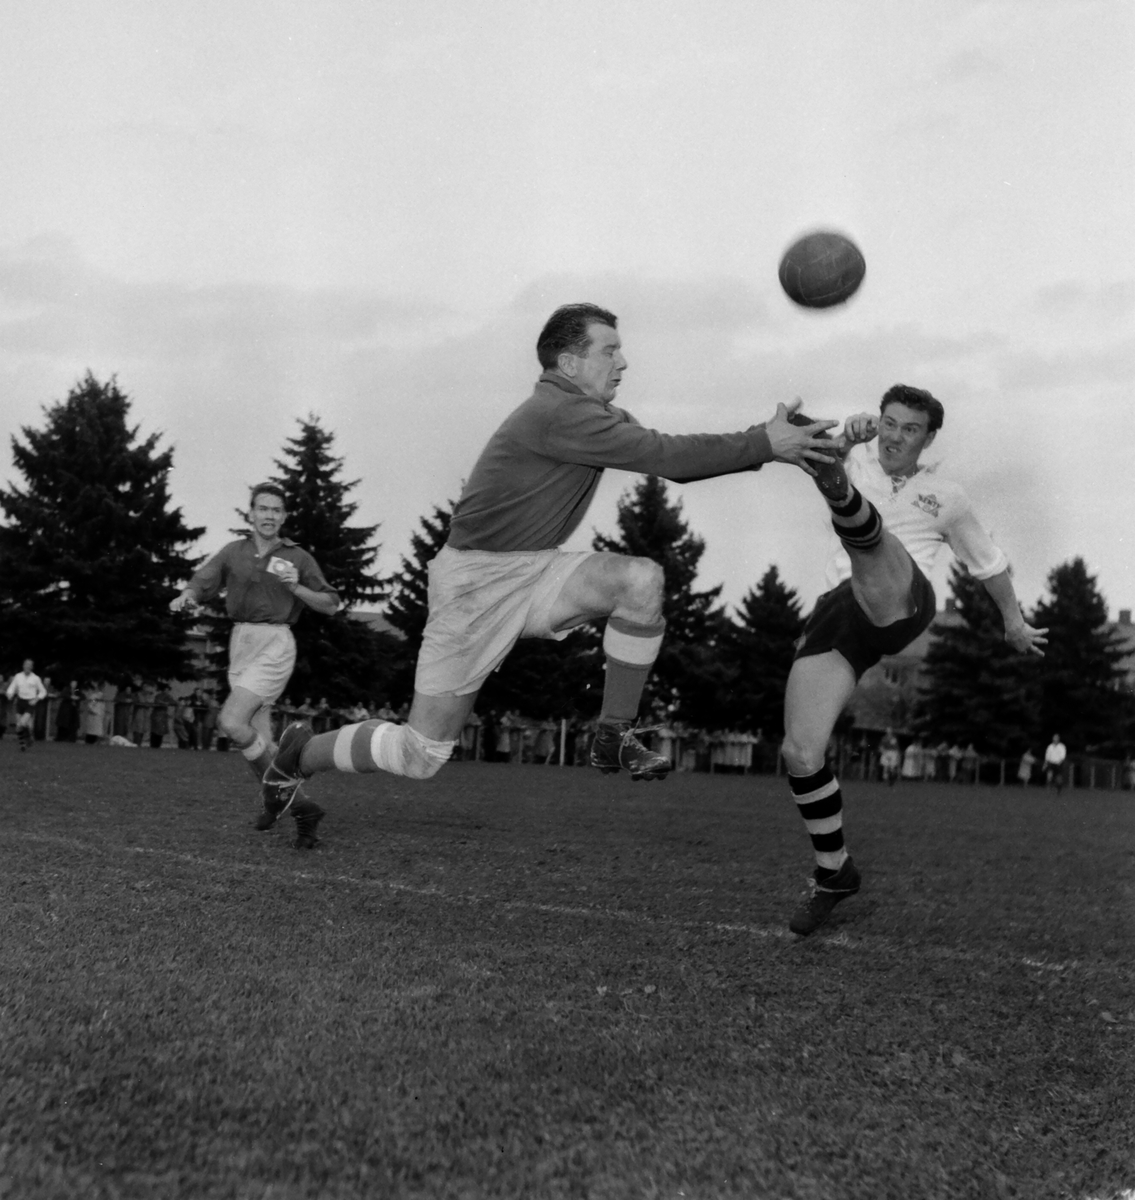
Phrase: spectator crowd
pixel 134 712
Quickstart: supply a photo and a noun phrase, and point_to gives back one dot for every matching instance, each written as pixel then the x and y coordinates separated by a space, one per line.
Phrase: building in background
pixel 888 692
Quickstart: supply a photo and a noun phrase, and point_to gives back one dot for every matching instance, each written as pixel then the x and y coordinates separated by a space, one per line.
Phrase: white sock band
pixel 341 751
pixel 626 648
pixel 382 746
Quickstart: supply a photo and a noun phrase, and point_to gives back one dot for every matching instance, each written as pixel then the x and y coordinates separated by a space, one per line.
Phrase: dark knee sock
pixel 631 650
pixel 820 802
pixel 856 521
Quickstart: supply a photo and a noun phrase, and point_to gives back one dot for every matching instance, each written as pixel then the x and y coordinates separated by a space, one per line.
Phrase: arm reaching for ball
pixel 797 444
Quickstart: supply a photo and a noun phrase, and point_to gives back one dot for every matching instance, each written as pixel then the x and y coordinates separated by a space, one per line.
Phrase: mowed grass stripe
pixel 841 940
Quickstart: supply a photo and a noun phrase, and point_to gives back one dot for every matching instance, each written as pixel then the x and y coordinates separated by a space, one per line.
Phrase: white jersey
pixel 27 686
pixel 923 511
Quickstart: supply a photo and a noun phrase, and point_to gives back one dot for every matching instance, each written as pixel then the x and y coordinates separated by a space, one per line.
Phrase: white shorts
pixel 261 659
pixel 481 602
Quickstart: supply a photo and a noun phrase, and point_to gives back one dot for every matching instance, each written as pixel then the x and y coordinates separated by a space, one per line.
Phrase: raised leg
pixel 629 592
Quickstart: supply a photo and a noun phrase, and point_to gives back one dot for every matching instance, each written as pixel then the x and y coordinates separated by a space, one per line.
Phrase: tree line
pixel 93 548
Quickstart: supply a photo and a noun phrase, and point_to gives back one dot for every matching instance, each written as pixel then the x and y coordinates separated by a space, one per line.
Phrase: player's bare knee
pixel 399 749
pixel 236 731
pixel 423 757
pixel 423 769
pixel 800 756
pixel 641 592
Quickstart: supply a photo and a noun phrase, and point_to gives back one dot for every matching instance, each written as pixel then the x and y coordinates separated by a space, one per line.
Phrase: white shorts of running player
pixel 481 603
pixel 261 659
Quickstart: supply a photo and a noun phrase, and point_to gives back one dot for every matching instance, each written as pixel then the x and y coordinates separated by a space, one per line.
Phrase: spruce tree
pixel 1080 674
pixel 760 645
pixel 408 606
pixel 977 688
pixel 337 657
pixel 690 671
pixel 92 552
pixel 543 679
pixel 319 514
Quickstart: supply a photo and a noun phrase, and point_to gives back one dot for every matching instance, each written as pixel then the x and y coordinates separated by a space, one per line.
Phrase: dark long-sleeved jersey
pixel 253 592
pixel 534 480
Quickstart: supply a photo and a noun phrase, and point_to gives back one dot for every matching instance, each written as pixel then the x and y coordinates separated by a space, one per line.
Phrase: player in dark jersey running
pixel 267 580
pixel 501 575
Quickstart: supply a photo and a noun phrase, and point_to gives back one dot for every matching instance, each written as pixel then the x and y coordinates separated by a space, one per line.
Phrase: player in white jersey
pixel 923 511
pixel 27 690
pixel 891 516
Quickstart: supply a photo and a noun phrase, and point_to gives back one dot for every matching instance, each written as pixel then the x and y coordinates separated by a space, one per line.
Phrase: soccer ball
pixel 822 269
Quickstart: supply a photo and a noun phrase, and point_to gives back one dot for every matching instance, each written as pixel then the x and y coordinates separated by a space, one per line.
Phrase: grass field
pixel 540 982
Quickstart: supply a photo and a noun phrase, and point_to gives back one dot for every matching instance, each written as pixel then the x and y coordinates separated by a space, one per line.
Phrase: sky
pixel 252 212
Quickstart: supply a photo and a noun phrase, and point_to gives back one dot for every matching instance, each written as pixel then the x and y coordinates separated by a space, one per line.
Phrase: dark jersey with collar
pixel 535 478
pixel 252 592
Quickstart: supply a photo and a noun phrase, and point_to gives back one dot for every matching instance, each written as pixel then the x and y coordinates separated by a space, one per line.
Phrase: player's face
pixel 597 373
pixel 903 435
pixel 267 515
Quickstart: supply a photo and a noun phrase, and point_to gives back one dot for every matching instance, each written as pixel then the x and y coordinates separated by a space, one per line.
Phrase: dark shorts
pixel 838 623
pixel 24 706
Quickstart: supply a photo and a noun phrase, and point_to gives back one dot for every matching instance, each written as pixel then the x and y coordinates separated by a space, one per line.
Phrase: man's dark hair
pixel 269 489
pixel 566 330
pixel 917 398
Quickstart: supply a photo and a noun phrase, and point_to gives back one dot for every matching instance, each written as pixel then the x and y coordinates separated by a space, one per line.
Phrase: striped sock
pixel 352 746
pixel 376 746
pixel 821 805
pixel 856 521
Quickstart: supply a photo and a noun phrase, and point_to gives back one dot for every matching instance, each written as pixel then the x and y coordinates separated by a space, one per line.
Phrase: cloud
pixel 1110 301
pixel 1084 369
pixel 657 306
pixel 56 304
pixel 412 389
pixel 969 65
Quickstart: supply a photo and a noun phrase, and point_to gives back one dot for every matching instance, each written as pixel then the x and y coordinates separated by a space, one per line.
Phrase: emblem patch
pixel 928 503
